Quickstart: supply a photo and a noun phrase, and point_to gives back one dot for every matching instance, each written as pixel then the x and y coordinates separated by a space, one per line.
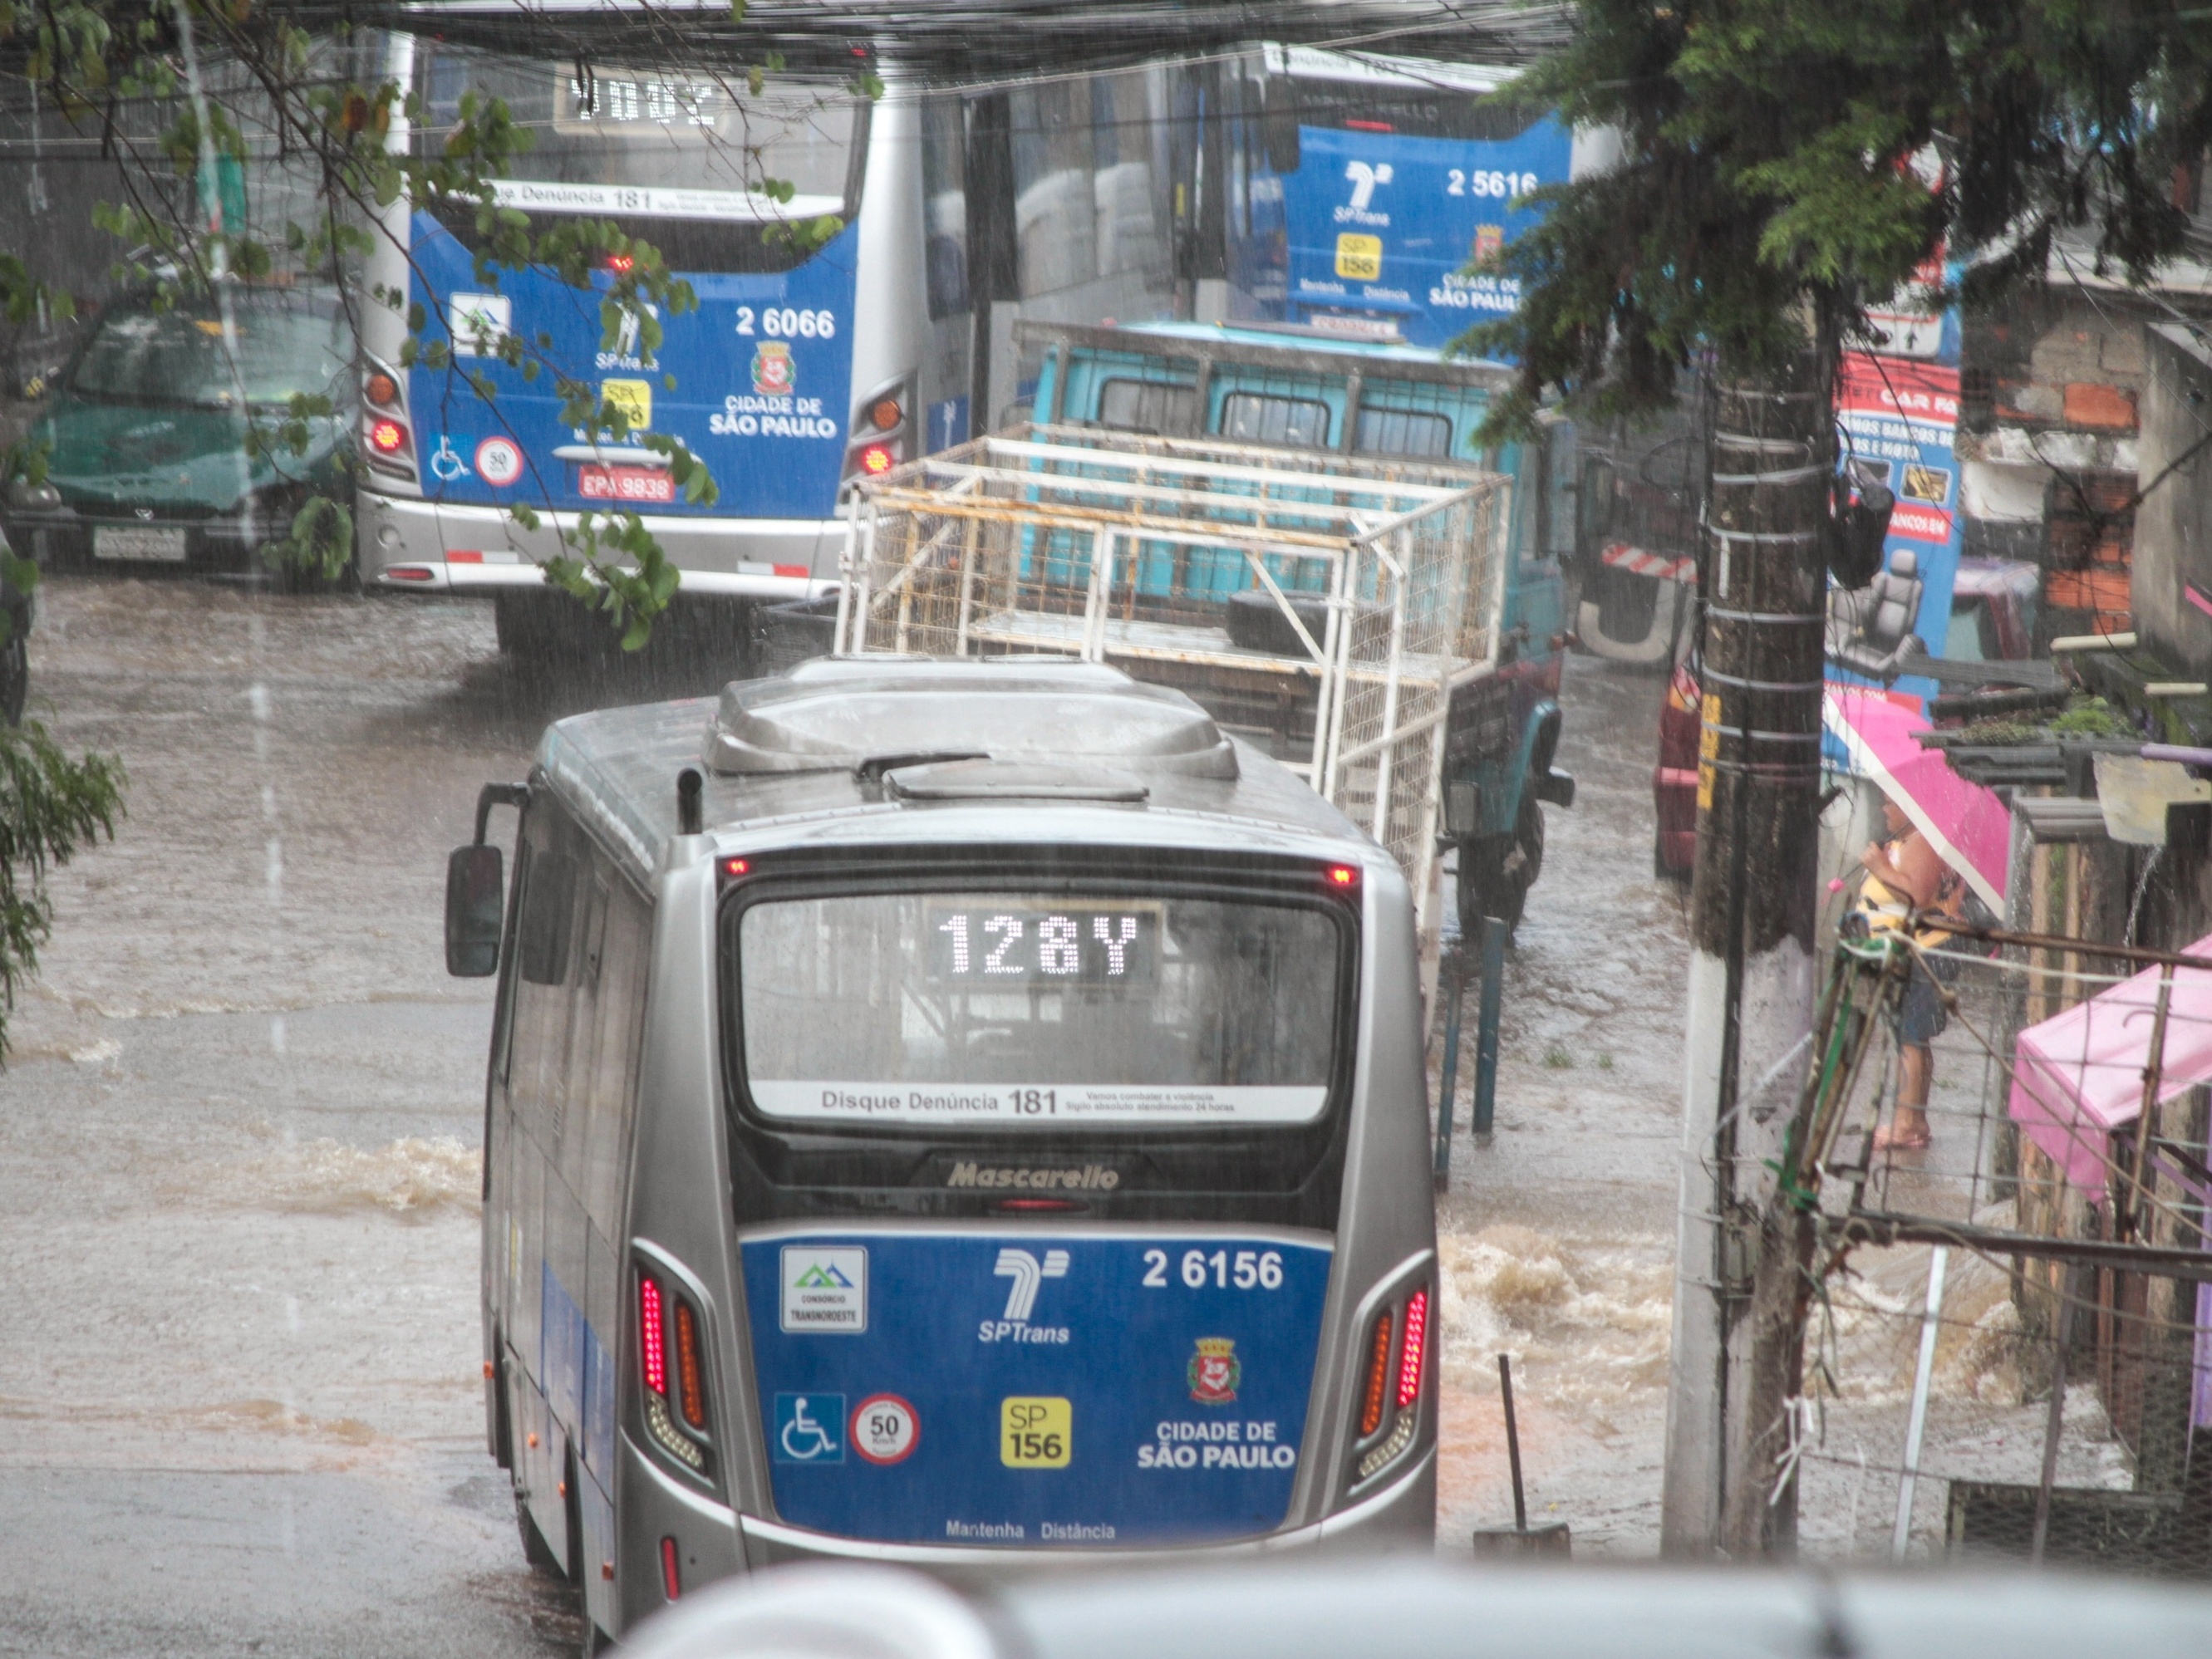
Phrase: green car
pixel 146 431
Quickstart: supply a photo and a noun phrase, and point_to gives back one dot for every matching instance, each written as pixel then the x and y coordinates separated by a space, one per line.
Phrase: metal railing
pixel 1384 585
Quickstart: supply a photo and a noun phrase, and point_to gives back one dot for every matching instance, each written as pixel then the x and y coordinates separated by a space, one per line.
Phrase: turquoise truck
pixel 1284 388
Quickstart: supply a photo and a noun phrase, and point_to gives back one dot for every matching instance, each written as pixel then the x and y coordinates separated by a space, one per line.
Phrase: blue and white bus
pixel 1362 188
pixel 797 371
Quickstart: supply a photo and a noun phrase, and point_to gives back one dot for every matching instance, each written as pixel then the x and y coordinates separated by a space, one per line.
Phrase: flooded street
pixel 244 1112
pixel 1558 1236
pixel 241 1123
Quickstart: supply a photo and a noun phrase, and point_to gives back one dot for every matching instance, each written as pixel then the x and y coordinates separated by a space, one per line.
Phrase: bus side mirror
pixel 474 911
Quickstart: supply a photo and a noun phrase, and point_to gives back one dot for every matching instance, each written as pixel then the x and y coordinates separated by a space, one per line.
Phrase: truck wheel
pixel 1528 837
pixel 1487 887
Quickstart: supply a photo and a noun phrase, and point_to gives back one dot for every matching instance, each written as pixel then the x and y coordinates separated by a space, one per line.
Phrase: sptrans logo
pixel 1029 1274
pixel 1364 178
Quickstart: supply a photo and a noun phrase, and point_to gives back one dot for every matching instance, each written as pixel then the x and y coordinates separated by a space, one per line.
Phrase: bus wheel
pixel 535 1550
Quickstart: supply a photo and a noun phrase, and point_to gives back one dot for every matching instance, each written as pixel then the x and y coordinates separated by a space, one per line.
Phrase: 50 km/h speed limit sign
pixel 885 1429
pixel 498 461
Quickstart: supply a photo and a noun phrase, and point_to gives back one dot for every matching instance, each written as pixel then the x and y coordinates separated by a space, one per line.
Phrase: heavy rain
pixel 981 793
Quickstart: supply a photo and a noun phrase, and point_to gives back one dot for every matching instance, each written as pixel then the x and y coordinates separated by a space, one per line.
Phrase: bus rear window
pixel 1297 422
pixel 1004 1010
pixel 680 159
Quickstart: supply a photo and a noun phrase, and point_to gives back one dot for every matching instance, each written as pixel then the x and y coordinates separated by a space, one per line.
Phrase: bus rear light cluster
pixel 883 427
pixel 669 1352
pixel 1390 1397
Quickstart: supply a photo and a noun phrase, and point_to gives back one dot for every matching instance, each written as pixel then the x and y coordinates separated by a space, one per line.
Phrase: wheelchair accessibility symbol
pixel 808 1428
pixel 446 464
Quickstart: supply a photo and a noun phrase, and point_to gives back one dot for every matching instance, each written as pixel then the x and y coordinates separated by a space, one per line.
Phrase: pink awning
pixel 2079 1075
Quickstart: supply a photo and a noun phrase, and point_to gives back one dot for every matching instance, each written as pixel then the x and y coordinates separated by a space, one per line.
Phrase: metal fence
pixel 1327 604
pixel 2008 1353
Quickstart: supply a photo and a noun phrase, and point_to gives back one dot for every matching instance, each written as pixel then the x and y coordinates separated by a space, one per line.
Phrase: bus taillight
pixel 387 437
pixel 662 1313
pixel 1378 1377
pixel 652 1347
pixel 1393 1393
pixel 691 1395
pixel 876 459
pixel 1412 1350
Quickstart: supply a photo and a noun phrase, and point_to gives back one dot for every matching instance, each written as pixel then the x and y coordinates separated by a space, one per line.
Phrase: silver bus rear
pixel 1016 1138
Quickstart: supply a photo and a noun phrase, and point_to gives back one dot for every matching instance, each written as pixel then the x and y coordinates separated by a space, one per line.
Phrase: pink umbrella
pixel 1966 824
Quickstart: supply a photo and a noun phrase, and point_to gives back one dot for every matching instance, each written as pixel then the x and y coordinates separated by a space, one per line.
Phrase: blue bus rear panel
pixel 1022 1388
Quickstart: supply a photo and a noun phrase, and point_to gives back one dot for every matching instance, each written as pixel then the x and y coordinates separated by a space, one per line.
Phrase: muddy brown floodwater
pixel 1558 1236
pixel 241 1405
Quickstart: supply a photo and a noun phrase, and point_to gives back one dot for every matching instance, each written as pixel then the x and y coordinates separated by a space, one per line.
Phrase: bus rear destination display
pixel 1016 1009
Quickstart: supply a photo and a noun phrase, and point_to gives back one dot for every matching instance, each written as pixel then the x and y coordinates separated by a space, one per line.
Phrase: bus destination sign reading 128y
pixel 987 947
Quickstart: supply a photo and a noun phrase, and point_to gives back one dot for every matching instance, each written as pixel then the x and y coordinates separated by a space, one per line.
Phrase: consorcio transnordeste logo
pixel 825 1288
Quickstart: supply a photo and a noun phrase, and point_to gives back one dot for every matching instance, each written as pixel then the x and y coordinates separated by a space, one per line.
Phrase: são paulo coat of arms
pixel 774 371
pixel 1214 1372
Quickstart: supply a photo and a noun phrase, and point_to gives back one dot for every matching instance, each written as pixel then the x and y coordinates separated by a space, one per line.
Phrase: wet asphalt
pixel 241 1398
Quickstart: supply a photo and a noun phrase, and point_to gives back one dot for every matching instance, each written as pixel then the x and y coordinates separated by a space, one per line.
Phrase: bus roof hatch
pixel 835 714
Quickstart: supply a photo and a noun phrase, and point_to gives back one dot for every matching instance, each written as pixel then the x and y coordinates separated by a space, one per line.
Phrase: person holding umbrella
pixel 1905 875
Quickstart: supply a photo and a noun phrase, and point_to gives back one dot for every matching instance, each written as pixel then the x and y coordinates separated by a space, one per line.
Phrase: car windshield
pixel 269 352
pixel 1037 1011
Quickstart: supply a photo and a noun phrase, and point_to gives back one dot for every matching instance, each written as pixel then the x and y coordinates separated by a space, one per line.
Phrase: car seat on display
pixel 1869 628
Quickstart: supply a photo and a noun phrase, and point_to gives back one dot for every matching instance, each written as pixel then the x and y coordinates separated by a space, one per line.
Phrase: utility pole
pixel 1738 1322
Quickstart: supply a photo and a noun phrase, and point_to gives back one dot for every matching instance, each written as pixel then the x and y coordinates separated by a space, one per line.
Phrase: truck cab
pixel 1286 387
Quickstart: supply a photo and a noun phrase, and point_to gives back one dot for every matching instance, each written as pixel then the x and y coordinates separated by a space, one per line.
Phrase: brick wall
pixel 2052 387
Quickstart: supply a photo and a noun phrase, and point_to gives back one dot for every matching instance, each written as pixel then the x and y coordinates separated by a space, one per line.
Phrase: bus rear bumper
pixel 1402 1516
pixel 428 547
